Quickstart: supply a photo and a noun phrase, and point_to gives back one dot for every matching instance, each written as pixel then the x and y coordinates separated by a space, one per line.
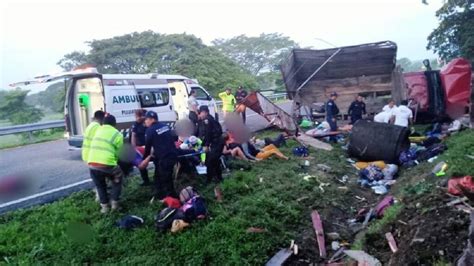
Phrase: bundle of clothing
pixel 377 175
pixel 179 214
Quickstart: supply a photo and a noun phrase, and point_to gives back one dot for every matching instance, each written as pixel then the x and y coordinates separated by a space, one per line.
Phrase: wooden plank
pixel 280 257
pixel 310 141
pixel 391 242
pixel 318 229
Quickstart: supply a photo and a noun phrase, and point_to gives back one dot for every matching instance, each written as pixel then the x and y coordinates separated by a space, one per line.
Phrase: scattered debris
pixel 360 198
pixel 256 230
pixel 363 258
pixel 318 229
pixel 456 201
pixel 218 193
pixel 467 257
pixel 280 257
pixel 402 222
pixel 338 255
pixel 335 245
pixel 333 236
pixel 391 242
pixel 323 167
pixel 382 205
pixel 368 216
pixel 302 198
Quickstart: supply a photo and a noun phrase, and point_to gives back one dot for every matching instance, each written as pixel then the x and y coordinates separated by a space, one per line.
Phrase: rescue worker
pixel 161 138
pixel 138 140
pixel 331 114
pixel 193 107
pixel 90 132
pixel 357 109
pixel 390 109
pixel 240 96
pixel 210 132
pixel 228 101
pixel 103 163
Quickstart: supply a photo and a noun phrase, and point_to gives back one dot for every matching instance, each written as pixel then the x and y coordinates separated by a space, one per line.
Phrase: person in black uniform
pixel 161 138
pixel 240 95
pixel 331 114
pixel 356 109
pixel 210 132
pixel 138 140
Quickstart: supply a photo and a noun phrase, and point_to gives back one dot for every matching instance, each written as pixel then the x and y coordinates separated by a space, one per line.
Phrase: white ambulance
pixel 121 94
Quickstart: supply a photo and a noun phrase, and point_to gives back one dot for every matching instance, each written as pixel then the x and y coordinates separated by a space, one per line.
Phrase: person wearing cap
pixel 240 95
pixel 90 132
pixel 357 109
pixel 138 140
pixel 103 162
pixel 228 101
pixel 161 138
pixel 210 132
pixel 331 114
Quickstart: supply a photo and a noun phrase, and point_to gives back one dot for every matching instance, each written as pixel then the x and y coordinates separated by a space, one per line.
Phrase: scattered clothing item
pixel 130 222
pixel 390 171
pixel 187 193
pixel 164 219
pixel 363 165
pixel 371 173
pixel 172 202
pixel 306 123
pixel 408 158
pixel 178 225
pixel 431 151
pixel 301 151
pixel 380 189
pixel 194 209
pixel 457 184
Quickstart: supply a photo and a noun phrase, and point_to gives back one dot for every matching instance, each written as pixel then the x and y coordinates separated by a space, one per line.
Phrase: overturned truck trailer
pixel 310 76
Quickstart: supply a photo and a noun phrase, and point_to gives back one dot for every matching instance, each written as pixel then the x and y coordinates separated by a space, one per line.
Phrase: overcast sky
pixel 34 35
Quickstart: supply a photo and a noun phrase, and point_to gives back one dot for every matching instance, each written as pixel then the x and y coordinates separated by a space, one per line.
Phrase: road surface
pixel 52 166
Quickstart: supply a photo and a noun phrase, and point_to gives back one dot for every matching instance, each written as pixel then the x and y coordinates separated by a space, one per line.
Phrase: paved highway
pixel 51 165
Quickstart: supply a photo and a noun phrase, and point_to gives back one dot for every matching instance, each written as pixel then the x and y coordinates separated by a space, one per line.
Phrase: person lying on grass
pixel 266 152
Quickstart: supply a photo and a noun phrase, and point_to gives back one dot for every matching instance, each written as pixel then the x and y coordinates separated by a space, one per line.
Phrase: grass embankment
pixel 427 230
pixel 11 141
pixel 265 197
pixel 273 195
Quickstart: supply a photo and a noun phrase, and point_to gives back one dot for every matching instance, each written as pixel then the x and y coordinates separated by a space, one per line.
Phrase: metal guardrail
pixel 31 127
pixel 60 123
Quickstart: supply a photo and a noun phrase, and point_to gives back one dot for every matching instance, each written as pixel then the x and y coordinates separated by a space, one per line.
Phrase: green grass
pixel 263 197
pixel 10 141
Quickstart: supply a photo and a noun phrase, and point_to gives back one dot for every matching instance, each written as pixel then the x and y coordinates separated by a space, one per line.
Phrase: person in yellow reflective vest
pixel 90 132
pixel 228 101
pixel 103 163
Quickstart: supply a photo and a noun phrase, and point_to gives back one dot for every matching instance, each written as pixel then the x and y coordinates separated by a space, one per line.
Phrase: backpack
pixel 187 193
pixel 130 222
pixel 194 208
pixel 165 218
pixel 301 151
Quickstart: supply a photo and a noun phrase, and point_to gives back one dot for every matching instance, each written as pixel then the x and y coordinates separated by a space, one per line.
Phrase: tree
pixel 146 52
pixel 52 98
pixel 69 61
pixel 416 65
pixel 257 54
pixel 454 36
pixel 14 108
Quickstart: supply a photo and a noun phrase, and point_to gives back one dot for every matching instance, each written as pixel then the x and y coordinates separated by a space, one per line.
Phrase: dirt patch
pixel 433 232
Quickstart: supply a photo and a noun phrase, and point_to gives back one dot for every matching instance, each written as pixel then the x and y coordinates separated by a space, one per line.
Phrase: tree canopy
pixel 454 36
pixel 14 108
pixel 257 54
pixel 146 52
pixel 416 65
